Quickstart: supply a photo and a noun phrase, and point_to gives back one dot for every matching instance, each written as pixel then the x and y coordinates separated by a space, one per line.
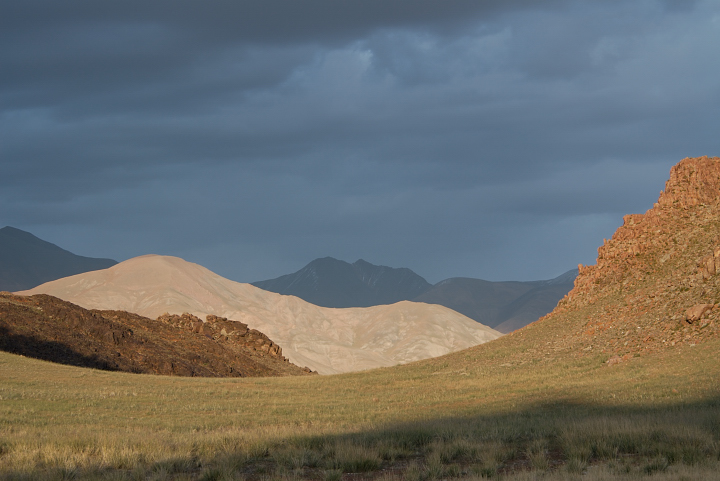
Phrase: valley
pixel 618 382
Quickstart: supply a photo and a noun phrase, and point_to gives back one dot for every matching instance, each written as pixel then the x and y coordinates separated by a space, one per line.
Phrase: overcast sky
pixel 494 139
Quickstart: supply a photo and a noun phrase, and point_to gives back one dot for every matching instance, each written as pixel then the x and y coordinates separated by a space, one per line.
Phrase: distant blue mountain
pixel 504 306
pixel 330 282
pixel 27 261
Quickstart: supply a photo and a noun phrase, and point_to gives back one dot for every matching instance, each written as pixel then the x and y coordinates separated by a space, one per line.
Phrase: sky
pixel 501 140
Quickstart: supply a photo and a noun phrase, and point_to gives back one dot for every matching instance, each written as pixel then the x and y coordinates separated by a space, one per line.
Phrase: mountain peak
pixel 693 181
pixel 13 233
pixel 329 282
pixel 27 261
pixel 8 228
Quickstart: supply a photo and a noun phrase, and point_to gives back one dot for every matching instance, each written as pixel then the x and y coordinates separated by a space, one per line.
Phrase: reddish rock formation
pixel 691 193
pixel 656 280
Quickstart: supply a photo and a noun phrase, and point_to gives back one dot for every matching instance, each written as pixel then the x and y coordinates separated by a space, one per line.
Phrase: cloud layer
pixel 500 140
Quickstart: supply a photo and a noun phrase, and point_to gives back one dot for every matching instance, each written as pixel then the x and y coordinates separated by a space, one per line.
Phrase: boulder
pixel 697 312
pixel 212 318
pixel 707 266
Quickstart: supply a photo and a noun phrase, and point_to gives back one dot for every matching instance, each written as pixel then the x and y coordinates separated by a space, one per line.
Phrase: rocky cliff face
pixel 656 281
pixel 688 203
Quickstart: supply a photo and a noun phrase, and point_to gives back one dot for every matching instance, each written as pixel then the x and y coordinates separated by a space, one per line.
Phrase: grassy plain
pixel 487 412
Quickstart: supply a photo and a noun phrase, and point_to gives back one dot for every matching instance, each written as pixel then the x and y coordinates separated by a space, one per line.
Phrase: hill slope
pixel 329 282
pixel 48 328
pixel 27 261
pixel 655 286
pixel 326 340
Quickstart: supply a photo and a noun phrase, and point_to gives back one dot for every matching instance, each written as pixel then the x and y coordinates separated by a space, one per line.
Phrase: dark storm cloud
pixel 263 21
pixel 499 139
pixel 93 46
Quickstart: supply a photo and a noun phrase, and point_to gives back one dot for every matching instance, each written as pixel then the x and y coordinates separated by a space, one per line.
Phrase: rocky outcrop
pixel 692 182
pixel 656 281
pixel 691 194
pixel 223 330
pixel 48 328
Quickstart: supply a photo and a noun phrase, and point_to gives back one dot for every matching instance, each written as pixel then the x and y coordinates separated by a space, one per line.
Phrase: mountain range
pixel 654 287
pixel 504 306
pixel 27 261
pixel 324 339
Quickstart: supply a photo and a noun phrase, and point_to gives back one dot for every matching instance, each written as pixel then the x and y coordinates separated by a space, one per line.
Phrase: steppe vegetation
pixel 473 414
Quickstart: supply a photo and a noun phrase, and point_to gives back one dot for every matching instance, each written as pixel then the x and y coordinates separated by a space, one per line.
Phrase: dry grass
pixel 467 415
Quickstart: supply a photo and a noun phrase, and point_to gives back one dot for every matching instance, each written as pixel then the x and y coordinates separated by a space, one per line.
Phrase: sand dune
pixel 326 340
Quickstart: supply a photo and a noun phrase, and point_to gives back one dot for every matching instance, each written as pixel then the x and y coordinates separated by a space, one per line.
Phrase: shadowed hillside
pixel 48 328
pixel 26 261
